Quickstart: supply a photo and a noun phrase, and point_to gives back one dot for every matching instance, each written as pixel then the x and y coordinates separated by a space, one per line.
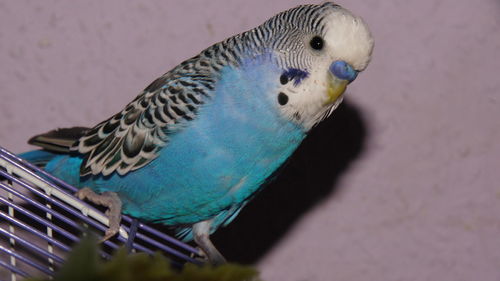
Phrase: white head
pixel 324 49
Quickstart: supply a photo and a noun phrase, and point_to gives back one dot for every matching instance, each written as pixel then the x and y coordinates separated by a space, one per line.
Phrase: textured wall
pixel 403 184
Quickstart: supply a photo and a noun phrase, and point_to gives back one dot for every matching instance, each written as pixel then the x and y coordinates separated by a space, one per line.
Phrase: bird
pixel 197 144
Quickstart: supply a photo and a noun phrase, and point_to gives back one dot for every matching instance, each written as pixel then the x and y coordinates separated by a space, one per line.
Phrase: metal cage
pixel 41 219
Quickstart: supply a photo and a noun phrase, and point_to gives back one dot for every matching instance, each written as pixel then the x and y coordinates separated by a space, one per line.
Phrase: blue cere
pixel 343 70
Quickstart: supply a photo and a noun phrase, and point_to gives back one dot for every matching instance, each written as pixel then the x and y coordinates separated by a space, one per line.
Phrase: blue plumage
pixel 218 161
pixel 198 143
pixel 209 169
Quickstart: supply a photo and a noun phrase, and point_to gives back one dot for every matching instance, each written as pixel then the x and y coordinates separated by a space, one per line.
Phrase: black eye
pixel 316 43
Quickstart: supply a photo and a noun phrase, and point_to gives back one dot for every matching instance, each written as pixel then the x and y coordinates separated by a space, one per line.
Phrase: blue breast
pixel 211 168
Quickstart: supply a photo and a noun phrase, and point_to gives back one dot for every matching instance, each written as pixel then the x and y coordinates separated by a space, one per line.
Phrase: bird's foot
pixel 109 200
pixel 202 239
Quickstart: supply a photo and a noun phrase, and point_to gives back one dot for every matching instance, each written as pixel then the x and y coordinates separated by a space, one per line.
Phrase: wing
pixel 133 137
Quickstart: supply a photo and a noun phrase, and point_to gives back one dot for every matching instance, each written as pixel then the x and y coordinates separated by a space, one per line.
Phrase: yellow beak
pixel 336 87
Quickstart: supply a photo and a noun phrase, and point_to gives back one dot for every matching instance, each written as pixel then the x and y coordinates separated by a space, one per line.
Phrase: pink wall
pixel 419 201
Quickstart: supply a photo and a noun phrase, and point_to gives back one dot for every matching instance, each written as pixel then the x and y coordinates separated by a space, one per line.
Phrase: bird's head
pixel 320 49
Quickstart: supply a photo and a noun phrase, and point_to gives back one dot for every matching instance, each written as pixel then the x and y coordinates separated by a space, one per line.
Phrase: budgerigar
pixel 201 140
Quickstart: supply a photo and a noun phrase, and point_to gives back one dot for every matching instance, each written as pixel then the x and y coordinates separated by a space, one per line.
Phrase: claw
pixel 108 234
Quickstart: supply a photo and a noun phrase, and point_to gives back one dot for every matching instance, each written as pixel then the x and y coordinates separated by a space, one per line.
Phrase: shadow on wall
pixel 309 177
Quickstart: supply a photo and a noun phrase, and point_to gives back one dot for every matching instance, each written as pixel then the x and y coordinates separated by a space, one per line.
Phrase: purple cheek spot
pixel 295 74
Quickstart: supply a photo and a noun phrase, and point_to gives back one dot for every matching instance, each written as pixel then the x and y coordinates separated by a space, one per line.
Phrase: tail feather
pixel 53 143
pixel 59 140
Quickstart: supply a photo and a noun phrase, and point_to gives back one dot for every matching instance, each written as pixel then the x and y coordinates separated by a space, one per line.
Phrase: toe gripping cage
pixel 41 219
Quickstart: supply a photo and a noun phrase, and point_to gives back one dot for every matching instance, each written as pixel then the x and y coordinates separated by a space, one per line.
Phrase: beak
pixel 336 87
pixel 340 74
